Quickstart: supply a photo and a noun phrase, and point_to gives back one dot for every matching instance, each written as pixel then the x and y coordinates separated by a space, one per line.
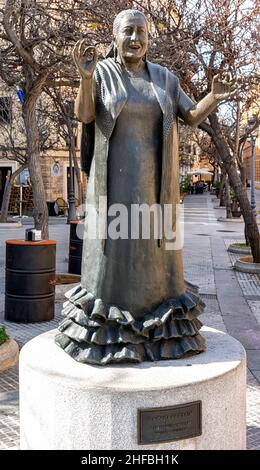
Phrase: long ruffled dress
pixel 139 308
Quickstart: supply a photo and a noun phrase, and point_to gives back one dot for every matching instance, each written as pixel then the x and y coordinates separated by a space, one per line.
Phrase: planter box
pixel 236 249
pixel 244 265
pixel 236 214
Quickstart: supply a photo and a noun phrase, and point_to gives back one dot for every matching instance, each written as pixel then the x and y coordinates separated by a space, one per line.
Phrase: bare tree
pixel 61 111
pixel 13 145
pixel 36 41
pixel 197 40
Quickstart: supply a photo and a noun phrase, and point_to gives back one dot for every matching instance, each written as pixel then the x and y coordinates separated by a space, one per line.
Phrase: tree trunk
pixel 243 174
pixel 215 172
pixel 240 190
pixel 40 211
pixel 252 232
pixel 222 189
pixel 7 193
pixel 228 200
pixel 246 237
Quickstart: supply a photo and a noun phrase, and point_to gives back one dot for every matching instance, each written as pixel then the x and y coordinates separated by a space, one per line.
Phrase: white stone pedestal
pixel 67 405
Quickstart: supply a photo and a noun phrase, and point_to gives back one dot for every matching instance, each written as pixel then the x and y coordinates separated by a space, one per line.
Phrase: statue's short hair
pixel 122 14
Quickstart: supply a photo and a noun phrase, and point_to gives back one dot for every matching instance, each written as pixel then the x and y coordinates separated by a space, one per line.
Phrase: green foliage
pixel 185 185
pixel 241 245
pixel 3 335
pixel 217 184
pixel 233 195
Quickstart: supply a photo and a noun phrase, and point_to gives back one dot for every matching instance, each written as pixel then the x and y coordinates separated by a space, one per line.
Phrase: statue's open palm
pixel 223 89
pixel 85 58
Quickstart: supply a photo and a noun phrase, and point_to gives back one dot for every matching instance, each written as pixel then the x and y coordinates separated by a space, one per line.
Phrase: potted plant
pixel 216 185
pixel 185 187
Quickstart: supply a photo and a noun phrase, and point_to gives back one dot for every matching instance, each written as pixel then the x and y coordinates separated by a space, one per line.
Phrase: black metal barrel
pixel 30 280
pixel 75 249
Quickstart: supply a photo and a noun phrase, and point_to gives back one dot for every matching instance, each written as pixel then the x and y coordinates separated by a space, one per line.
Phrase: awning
pixel 201 172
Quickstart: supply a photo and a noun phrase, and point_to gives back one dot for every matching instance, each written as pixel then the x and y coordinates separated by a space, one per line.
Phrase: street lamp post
pixel 71 127
pixel 252 161
pixel 252 140
pixel 71 195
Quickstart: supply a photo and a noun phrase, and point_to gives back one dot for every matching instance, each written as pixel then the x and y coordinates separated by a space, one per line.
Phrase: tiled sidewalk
pixel 253 413
pixel 207 263
pixel 9 381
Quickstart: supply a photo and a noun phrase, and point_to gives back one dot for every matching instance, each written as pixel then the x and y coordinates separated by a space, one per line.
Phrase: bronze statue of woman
pixel 133 304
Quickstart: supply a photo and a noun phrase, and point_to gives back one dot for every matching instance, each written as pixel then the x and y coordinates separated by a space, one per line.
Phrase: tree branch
pixel 26 56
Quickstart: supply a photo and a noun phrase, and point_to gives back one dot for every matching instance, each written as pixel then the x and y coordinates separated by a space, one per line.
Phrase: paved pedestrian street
pixel 232 303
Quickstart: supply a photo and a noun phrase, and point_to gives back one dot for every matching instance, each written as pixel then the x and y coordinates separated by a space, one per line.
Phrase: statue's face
pixel 132 38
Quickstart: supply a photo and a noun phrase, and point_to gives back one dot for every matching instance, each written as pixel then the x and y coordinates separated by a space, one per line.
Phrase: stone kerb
pixel 234 220
pixel 246 265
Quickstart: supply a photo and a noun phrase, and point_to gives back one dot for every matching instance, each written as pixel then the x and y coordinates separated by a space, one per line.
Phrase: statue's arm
pixel 221 90
pixel 201 110
pixel 85 101
pixel 85 58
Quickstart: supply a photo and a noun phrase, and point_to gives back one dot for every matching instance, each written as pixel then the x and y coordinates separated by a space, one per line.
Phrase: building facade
pixel 247 160
pixel 55 162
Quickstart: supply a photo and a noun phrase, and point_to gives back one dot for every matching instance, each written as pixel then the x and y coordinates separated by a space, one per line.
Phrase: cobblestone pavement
pixel 202 265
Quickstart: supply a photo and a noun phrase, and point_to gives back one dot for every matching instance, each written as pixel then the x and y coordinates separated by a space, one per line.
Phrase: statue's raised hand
pixel 85 58
pixel 223 89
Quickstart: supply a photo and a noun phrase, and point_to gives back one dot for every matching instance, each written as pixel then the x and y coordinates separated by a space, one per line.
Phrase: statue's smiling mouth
pixel 134 46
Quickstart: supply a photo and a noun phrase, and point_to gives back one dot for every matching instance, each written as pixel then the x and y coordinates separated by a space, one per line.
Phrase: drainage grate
pixel 229 231
pixel 208 296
